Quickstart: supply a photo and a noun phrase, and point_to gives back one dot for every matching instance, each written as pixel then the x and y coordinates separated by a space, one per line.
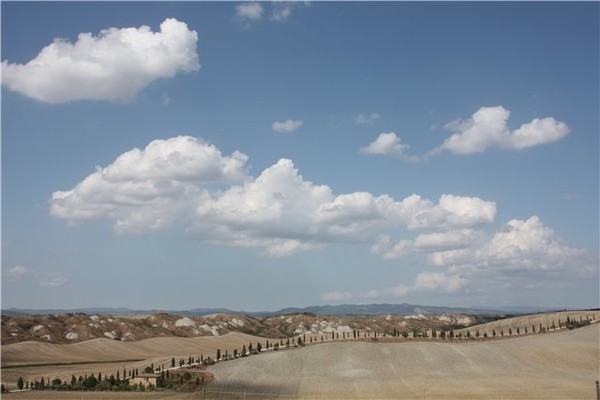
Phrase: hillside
pixel 75 328
pixel 553 366
pixel 532 323
pixel 344 362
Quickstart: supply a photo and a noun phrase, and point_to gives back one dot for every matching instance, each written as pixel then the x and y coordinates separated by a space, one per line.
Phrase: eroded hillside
pixel 73 328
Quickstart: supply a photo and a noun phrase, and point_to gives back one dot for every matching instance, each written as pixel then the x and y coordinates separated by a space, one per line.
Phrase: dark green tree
pixel 218 354
pixel 90 382
pixel 20 383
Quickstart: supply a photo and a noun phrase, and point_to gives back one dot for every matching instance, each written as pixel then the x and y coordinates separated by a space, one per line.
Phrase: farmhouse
pixel 145 380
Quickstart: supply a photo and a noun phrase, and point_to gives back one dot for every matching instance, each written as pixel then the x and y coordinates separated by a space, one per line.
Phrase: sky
pixel 262 155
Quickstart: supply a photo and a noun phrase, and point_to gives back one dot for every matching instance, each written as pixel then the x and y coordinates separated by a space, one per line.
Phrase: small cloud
pixel 252 11
pixel 281 10
pixel 54 279
pixel 286 126
pixel 336 296
pixel 389 144
pixel 16 273
pixel 439 282
pixel 166 100
pixel 425 282
pixel 370 294
pixel 362 119
pixel 488 128
pixel 571 196
pixel 398 290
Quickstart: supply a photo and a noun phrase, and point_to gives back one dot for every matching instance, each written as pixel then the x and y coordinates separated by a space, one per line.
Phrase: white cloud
pixel 425 282
pixel 15 273
pixel 362 119
pixel 286 126
pixel 521 245
pixel 173 181
pixel 450 239
pixel 397 291
pixel 283 213
pixel 252 11
pixel 389 144
pixel 150 188
pixel 54 279
pixel 370 294
pixel 488 128
pixel 451 212
pixel 282 10
pixel 336 296
pixel 439 282
pixel 426 242
pixel 114 66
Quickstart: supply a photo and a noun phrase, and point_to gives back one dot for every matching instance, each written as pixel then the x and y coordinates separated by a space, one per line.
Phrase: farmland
pixel 556 363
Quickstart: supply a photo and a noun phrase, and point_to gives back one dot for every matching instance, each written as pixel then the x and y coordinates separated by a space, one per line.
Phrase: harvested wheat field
pixel 562 365
pixel 33 360
pixel 532 323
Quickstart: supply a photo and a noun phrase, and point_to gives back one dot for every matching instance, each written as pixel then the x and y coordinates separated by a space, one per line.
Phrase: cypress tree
pixel 20 383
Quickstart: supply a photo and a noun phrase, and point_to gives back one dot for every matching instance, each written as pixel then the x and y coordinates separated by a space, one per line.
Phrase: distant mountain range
pixel 344 309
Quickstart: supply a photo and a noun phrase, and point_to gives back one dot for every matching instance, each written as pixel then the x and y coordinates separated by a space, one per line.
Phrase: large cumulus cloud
pixel 279 211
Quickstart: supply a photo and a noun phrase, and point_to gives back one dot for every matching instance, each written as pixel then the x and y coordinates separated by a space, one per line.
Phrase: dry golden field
pixel 562 364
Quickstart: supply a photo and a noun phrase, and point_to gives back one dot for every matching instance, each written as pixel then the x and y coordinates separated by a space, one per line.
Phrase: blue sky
pixel 263 155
